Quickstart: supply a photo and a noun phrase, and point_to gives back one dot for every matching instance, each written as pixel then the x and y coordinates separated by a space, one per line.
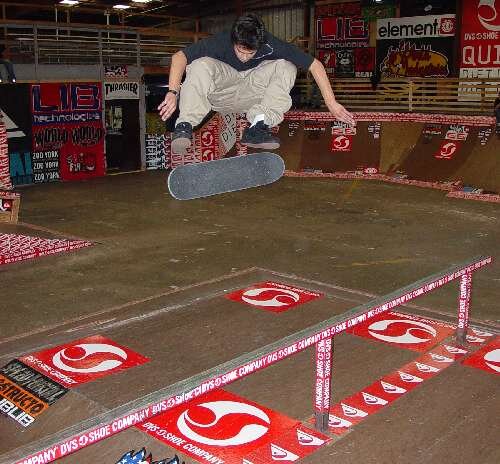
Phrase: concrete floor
pixel 366 236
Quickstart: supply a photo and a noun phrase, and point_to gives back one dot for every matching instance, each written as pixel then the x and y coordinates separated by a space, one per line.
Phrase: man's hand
pixel 340 112
pixel 168 106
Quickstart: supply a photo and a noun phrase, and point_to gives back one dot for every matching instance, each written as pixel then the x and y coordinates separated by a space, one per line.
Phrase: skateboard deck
pixel 224 175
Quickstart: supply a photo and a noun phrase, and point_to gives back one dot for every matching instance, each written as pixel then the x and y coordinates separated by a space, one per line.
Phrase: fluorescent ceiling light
pixel 69 2
pixel 121 7
pixel 141 1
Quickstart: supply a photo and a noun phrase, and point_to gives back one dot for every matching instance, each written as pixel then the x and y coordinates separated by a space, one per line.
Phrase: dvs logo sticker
pixel 381 330
pixel 341 143
pixel 405 331
pixel 488 15
pixel 487 358
pixel 221 427
pixel 447 150
pixel 220 410
pixel 89 358
pixel 83 360
pixel 273 296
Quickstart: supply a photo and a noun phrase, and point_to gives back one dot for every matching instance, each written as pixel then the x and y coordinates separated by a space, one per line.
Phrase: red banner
pixel 67 119
pixel 340 32
pixel 480 39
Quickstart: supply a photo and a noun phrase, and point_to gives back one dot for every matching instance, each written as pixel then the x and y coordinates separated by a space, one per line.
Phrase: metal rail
pixel 118 419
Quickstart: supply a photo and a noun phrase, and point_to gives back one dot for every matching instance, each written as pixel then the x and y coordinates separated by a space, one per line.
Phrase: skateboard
pixel 225 175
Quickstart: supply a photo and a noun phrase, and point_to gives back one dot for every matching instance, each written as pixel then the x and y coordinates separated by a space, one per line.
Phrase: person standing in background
pixel 4 59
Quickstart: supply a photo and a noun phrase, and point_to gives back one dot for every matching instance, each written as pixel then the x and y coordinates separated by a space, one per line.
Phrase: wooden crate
pixel 9 206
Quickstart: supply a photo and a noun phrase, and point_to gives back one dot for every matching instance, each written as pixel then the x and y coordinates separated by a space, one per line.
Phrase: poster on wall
pixel 364 61
pixel 479 45
pixel 339 9
pixel 121 90
pixel 327 57
pixel 373 11
pixel 340 31
pixel 14 106
pixel 116 71
pixel 67 120
pixel 157 151
pixel 420 46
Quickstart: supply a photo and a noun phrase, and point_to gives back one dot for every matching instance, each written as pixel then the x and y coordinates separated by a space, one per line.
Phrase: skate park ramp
pixel 430 148
pixel 172 340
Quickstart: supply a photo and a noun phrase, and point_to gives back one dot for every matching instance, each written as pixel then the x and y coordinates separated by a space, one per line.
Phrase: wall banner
pixel 341 32
pixel 339 36
pixel 14 106
pixel 121 90
pixel 416 27
pixel 67 119
pixel 420 46
pixel 480 40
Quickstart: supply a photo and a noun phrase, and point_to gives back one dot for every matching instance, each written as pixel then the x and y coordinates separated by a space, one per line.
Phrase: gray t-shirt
pixel 221 48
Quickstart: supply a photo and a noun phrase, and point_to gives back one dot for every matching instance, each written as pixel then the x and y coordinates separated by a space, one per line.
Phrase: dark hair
pixel 248 30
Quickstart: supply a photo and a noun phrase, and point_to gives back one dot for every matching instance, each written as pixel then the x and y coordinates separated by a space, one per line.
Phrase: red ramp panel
pixel 440 152
pixel 330 146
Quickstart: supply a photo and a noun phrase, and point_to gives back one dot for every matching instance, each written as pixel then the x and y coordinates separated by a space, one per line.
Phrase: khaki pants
pixel 213 85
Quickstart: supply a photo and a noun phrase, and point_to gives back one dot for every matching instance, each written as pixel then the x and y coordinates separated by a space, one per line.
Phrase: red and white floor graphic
pixel 486 358
pixel 384 391
pixel 84 360
pixel 405 331
pixel 273 296
pixel 478 336
pixel 15 247
pixel 221 427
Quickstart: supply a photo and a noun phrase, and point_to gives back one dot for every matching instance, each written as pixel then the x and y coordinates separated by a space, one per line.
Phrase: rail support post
pixel 324 355
pixel 463 307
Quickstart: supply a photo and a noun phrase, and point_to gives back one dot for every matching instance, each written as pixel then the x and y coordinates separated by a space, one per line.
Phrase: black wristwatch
pixel 175 92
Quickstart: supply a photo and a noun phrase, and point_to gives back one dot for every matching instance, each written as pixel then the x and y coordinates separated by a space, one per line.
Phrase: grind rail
pixel 321 335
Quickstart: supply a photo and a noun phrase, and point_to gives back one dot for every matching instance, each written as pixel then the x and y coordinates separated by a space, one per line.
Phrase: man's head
pixel 247 36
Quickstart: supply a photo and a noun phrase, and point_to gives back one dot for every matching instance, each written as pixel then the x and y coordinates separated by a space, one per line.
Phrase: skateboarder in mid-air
pixel 245 70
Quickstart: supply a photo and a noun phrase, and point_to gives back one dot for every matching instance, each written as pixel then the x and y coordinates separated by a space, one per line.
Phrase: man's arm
pixel 319 74
pixel 177 68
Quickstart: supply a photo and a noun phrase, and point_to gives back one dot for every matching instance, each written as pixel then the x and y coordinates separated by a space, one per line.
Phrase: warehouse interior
pixel 346 312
